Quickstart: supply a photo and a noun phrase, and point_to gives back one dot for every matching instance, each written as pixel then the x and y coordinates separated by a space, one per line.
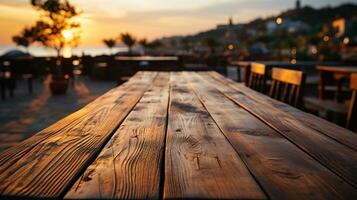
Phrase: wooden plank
pixel 353 82
pixel 199 161
pixel 332 154
pixel 11 155
pixel 338 69
pixel 46 164
pixel 129 165
pixel 287 76
pixel 258 68
pixel 267 154
pixel 320 125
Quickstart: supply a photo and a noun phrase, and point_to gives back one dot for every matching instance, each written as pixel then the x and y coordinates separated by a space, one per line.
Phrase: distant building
pixel 252 32
pixel 346 35
pixel 287 24
pixel 230 25
pixel 231 37
pixel 340 27
pixel 298 5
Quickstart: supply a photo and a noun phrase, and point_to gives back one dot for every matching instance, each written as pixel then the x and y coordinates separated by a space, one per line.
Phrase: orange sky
pixel 146 18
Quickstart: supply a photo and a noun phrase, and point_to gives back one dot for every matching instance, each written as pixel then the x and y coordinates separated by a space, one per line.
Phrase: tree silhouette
pixel 144 43
pixel 25 39
pixel 55 28
pixel 155 44
pixel 128 40
pixel 110 43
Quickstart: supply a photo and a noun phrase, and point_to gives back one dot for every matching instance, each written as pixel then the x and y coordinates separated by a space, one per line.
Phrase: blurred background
pixel 56 55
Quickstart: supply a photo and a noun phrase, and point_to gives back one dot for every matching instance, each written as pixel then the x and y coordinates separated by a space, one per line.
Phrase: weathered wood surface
pixel 184 135
pixel 44 165
pixel 331 130
pixel 200 162
pixel 328 152
pixel 129 165
pixel 267 154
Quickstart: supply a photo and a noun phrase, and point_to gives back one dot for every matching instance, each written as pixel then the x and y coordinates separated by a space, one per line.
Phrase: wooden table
pixel 147 58
pixel 305 66
pixel 152 63
pixel 184 135
pixel 339 74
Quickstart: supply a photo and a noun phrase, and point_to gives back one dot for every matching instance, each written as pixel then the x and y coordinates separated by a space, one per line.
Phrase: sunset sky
pixel 148 18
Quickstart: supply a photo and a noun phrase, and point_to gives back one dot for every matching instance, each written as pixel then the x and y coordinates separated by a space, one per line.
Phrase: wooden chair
pixel 257 77
pixel 287 86
pixel 352 110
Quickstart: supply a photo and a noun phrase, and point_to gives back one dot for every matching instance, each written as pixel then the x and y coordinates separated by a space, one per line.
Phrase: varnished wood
pixel 200 162
pixel 257 77
pixel 129 165
pixel 331 130
pixel 287 86
pixel 352 109
pixel 330 153
pixel 47 163
pixel 353 82
pixel 267 154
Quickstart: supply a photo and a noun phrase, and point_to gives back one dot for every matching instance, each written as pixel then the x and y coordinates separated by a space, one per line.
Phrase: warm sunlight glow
pixel 67 34
pixel 67 52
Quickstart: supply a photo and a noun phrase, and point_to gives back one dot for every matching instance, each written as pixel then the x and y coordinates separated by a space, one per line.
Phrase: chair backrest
pixel 257 77
pixel 287 86
pixel 352 110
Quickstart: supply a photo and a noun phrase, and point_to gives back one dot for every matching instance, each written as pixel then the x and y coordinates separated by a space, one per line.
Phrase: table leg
pixel 321 86
pixel 239 78
pixel 338 96
pixel 246 74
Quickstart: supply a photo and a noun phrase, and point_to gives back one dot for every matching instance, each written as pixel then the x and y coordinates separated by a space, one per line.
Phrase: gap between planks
pixel 322 182
pixel 60 185
pixel 200 162
pixel 333 131
pixel 339 163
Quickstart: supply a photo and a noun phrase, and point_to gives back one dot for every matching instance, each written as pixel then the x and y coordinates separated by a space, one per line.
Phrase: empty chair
pixel 287 86
pixel 257 77
pixel 352 110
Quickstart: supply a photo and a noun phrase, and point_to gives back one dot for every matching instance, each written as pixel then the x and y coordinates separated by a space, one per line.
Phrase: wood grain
pixel 12 155
pixel 200 162
pixel 320 125
pixel 330 153
pixel 282 169
pixel 129 165
pixel 46 164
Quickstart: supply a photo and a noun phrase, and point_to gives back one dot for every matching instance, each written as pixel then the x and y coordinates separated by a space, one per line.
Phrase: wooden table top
pixel 184 135
pixel 338 69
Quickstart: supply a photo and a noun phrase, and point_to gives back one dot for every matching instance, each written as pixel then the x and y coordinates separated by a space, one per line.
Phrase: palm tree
pixel 110 43
pixel 144 43
pixel 128 40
